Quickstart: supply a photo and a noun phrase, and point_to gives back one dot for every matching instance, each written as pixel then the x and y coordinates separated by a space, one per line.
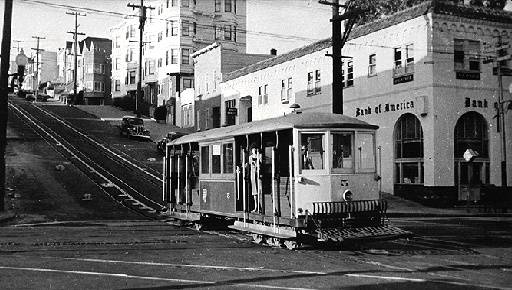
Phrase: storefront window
pixel 408 150
pixel 342 153
pixel 312 151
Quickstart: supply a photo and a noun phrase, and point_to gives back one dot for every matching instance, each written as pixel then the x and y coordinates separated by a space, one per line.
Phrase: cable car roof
pixel 301 121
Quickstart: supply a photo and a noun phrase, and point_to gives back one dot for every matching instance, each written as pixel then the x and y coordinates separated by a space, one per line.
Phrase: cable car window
pixel 366 152
pixel 342 153
pixel 227 154
pixel 216 159
pixel 312 151
pixel 205 159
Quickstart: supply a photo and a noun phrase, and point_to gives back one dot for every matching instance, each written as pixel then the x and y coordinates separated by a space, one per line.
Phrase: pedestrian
pixel 254 164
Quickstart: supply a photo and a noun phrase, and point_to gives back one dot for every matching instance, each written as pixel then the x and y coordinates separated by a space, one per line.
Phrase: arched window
pixel 408 150
pixel 471 133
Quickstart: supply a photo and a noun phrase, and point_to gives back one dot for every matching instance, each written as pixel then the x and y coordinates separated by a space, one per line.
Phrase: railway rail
pixel 120 177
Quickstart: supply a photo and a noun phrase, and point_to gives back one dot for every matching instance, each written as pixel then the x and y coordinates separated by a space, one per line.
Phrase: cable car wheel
pixel 258 239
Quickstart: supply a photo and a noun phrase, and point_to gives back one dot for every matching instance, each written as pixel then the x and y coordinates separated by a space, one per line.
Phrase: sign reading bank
pixel 384 108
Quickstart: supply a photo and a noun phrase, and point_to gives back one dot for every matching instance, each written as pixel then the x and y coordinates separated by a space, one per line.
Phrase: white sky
pixel 280 24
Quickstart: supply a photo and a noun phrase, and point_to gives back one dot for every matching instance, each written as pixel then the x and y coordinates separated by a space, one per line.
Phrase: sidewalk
pixel 399 207
pixel 114 115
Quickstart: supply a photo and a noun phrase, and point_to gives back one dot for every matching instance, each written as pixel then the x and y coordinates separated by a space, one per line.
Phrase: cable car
pixel 289 180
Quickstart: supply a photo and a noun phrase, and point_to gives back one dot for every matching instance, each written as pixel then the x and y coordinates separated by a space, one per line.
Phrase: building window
pixel 318 87
pixel 167 3
pixel 289 92
pixel 403 64
pixel 129 55
pixel 227 5
pixel 283 91
pixel 372 65
pixel 408 150
pixel 118 60
pixel 227 32
pixel 117 41
pixel 185 3
pixel 466 55
pixel 159 38
pixel 98 68
pixel 260 96
pixel 342 151
pixel 174 56
pixel 314 86
pixel 99 87
pixel 188 83
pixel 234 6
pixel 174 28
pixel 166 57
pixel 160 62
pixel 117 87
pixel 265 94
pixel 310 84
pixel 186 115
pixel 185 28
pixel 194 28
pixel 131 77
pixel 234 33
pixel 217 5
pixel 185 56
pixel 312 151
pixel 347 74
pixel 174 3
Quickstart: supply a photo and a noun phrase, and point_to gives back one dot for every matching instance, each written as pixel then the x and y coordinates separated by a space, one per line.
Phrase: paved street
pixel 448 253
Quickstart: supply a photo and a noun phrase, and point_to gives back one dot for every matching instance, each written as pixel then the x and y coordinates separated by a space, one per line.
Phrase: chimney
pixel 273 51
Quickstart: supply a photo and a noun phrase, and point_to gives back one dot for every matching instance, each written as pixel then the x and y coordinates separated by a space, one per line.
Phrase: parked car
pixel 30 97
pixel 42 97
pixel 160 145
pixel 133 127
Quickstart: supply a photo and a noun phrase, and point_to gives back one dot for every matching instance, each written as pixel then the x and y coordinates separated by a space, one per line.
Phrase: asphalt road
pixel 448 253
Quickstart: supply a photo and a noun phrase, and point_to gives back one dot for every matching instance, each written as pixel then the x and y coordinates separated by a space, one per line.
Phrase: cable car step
pixel 344 234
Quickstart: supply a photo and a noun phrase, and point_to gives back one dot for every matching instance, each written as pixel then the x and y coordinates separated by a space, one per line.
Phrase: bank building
pixel 427 76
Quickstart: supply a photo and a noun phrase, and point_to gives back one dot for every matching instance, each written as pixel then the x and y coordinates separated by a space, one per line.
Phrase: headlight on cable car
pixel 347 195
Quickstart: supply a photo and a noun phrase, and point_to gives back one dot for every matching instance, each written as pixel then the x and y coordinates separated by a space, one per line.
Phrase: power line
pixel 75 38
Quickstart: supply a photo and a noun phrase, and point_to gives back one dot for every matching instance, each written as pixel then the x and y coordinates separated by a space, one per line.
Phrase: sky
pixel 283 24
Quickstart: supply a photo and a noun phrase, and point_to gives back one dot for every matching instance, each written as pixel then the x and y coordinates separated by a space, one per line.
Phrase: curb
pixel 6 217
pixel 459 215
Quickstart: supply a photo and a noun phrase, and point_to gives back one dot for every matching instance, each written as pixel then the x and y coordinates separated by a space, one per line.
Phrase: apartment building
pixel 420 76
pixel 175 29
pixel 94 68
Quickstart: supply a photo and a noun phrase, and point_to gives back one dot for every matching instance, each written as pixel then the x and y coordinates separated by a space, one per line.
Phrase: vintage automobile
pixel 133 127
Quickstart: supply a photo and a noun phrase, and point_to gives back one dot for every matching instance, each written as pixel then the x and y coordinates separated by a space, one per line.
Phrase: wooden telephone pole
pixel 75 39
pixel 142 21
pixel 36 71
pixel 4 91
pixel 338 41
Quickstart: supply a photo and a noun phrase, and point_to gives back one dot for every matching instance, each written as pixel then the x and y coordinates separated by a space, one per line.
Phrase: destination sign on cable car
pixel 231 111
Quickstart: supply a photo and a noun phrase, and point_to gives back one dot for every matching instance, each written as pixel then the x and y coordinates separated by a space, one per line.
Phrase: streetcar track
pixel 124 158
pixel 136 206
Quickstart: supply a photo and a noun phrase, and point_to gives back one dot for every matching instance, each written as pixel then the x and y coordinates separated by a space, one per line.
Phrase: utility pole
pixel 338 41
pixel 36 71
pixel 501 58
pixel 75 39
pixel 142 21
pixel 4 82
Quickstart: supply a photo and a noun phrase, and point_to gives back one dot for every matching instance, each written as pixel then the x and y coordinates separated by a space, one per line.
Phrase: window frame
pixel 372 65
pixel 222 174
pixel 325 153
pixel 398 162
